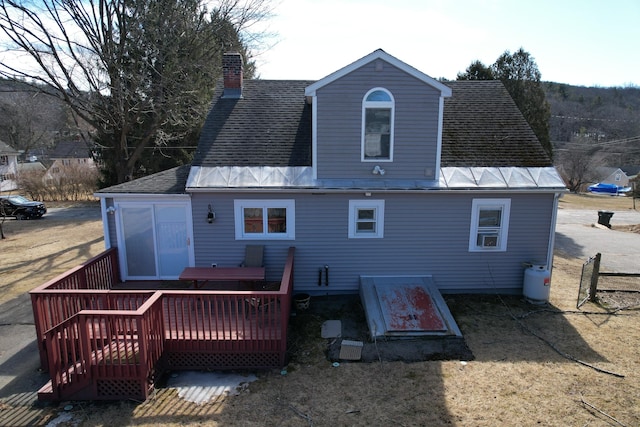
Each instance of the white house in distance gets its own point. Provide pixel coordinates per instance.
(68, 157)
(8, 167)
(376, 170)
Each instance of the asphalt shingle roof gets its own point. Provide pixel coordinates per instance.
(483, 127)
(269, 126)
(7, 149)
(171, 181)
(70, 149)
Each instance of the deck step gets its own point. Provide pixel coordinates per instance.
(46, 393)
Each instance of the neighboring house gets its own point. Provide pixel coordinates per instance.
(631, 171)
(374, 170)
(612, 175)
(69, 158)
(8, 167)
(31, 168)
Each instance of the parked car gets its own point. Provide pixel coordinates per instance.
(21, 208)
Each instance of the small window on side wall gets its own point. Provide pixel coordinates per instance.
(378, 111)
(489, 225)
(264, 219)
(366, 219)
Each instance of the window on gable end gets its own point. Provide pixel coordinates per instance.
(378, 111)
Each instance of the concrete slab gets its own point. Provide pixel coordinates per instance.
(331, 329)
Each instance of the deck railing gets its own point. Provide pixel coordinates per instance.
(110, 344)
(113, 353)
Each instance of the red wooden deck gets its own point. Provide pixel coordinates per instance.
(100, 343)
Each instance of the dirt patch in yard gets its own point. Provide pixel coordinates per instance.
(635, 228)
(547, 365)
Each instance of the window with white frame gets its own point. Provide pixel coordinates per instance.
(378, 110)
(366, 219)
(489, 225)
(264, 219)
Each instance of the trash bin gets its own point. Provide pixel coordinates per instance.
(604, 217)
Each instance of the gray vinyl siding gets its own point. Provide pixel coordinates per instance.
(424, 233)
(339, 125)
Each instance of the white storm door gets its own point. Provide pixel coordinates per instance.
(139, 242)
(172, 239)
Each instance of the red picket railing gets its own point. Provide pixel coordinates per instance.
(103, 344)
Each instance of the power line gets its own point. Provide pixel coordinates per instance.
(592, 119)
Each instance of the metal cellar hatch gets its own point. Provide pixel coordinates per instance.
(405, 306)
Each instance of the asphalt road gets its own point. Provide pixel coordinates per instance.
(75, 212)
(577, 236)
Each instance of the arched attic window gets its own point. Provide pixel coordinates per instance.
(378, 110)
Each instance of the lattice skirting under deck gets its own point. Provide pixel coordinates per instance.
(183, 360)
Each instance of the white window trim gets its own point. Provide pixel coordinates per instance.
(288, 204)
(379, 104)
(477, 205)
(378, 205)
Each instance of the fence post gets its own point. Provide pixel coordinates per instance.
(594, 277)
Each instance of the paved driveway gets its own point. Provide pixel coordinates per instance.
(577, 237)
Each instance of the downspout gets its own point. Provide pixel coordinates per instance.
(105, 223)
(552, 233)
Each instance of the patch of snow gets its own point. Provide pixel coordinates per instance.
(201, 387)
(64, 418)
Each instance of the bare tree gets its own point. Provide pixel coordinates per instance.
(139, 72)
(577, 161)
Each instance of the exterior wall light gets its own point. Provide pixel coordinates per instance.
(377, 170)
(211, 215)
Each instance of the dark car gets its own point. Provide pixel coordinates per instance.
(21, 207)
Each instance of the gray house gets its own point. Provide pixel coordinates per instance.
(375, 170)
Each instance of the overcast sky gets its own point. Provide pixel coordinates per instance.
(578, 42)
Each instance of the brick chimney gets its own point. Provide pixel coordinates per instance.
(232, 70)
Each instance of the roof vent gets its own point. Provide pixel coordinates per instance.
(232, 73)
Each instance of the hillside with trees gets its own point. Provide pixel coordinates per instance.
(591, 127)
(140, 73)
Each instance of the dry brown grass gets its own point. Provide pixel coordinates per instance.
(35, 251)
(597, 201)
(522, 374)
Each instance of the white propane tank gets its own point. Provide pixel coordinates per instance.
(537, 283)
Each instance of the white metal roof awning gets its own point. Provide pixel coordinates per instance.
(451, 178)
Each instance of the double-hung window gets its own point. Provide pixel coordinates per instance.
(366, 219)
(264, 219)
(378, 110)
(489, 225)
